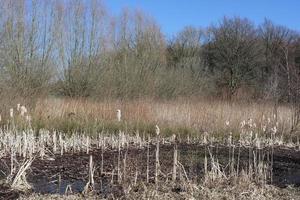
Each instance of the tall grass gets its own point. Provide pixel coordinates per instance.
(184, 117)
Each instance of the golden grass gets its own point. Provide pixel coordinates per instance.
(204, 115)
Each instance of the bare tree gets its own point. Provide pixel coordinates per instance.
(233, 53)
(185, 49)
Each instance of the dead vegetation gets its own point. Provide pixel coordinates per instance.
(134, 163)
(181, 117)
(241, 192)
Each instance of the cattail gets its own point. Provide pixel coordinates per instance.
(119, 115)
(102, 146)
(258, 143)
(243, 123)
(205, 164)
(157, 130)
(87, 145)
(173, 137)
(264, 128)
(148, 151)
(250, 122)
(157, 165)
(274, 130)
(23, 110)
(205, 141)
(91, 171)
(119, 158)
(136, 176)
(54, 142)
(175, 160)
(227, 123)
(28, 118)
(11, 113)
(230, 139)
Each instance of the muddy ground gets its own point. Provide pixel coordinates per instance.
(53, 174)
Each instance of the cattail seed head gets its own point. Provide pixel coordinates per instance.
(174, 137)
(264, 128)
(230, 138)
(23, 110)
(243, 123)
(119, 115)
(11, 113)
(227, 123)
(205, 141)
(28, 118)
(274, 129)
(157, 130)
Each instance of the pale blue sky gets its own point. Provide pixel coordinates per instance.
(172, 16)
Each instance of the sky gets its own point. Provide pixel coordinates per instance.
(174, 15)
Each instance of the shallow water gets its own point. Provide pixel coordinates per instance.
(53, 176)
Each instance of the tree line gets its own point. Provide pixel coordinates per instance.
(78, 49)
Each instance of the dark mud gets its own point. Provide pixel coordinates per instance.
(56, 174)
(7, 193)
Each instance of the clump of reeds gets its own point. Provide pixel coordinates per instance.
(157, 165)
(19, 181)
(175, 161)
(90, 184)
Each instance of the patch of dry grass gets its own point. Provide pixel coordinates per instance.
(248, 191)
(178, 115)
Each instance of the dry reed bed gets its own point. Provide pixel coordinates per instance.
(28, 144)
(210, 116)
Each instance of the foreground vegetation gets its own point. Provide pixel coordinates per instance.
(108, 156)
(235, 180)
(239, 191)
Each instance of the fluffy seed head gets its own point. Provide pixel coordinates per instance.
(119, 115)
(11, 112)
(23, 110)
(28, 118)
(157, 130)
